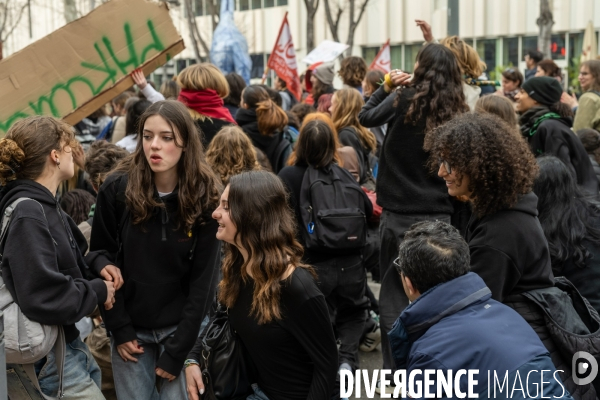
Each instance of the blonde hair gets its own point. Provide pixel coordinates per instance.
(202, 77)
(349, 104)
(231, 152)
(468, 60)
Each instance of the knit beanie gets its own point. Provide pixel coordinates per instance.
(324, 73)
(543, 89)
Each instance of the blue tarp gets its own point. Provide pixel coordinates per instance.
(229, 50)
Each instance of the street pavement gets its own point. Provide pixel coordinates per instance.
(372, 360)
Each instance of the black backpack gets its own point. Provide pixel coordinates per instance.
(282, 153)
(332, 207)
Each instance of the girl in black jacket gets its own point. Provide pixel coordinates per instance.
(273, 301)
(263, 121)
(153, 221)
(342, 276)
(42, 260)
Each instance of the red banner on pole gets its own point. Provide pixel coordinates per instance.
(383, 60)
(283, 60)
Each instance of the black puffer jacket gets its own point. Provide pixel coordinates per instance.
(566, 323)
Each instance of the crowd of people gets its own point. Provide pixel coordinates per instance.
(475, 207)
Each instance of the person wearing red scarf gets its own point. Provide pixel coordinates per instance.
(203, 88)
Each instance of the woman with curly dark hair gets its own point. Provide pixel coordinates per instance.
(353, 70)
(481, 161)
(406, 190)
(572, 227)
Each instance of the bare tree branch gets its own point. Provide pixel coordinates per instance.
(333, 25)
(214, 13)
(354, 23)
(311, 11)
(545, 22)
(7, 29)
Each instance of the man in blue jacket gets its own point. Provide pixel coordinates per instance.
(452, 324)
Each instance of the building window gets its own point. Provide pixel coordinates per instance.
(369, 54)
(410, 57)
(529, 43)
(256, 4)
(510, 50)
(468, 41)
(557, 46)
(258, 65)
(282, 2)
(487, 52)
(269, 3)
(244, 5)
(198, 8)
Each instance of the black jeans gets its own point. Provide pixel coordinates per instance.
(392, 299)
(342, 281)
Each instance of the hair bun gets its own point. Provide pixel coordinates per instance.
(11, 157)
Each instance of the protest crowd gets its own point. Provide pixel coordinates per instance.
(209, 239)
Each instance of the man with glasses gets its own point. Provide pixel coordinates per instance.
(453, 324)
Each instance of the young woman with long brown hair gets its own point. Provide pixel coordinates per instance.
(264, 121)
(345, 106)
(153, 222)
(274, 303)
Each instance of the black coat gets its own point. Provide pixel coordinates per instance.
(209, 127)
(42, 263)
(554, 137)
(509, 249)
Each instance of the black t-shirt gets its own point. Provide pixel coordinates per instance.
(295, 357)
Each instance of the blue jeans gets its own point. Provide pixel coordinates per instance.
(138, 380)
(258, 394)
(81, 378)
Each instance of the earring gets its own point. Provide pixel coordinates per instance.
(57, 164)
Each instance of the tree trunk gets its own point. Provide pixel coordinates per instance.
(70, 10)
(194, 33)
(311, 11)
(354, 23)
(545, 23)
(1, 49)
(333, 24)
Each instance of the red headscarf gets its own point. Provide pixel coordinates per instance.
(206, 102)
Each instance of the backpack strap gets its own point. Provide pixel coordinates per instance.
(60, 352)
(60, 344)
(281, 154)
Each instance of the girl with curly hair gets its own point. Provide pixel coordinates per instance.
(231, 152)
(406, 190)
(480, 160)
(345, 106)
(153, 221)
(352, 71)
(275, 305)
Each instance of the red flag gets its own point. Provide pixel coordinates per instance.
(382, 61)
(283, 60)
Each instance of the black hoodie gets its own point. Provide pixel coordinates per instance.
(247, 120)
(41, 264)
(509, 249)
(163, 287)
(554, 137)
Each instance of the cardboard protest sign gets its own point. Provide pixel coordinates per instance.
(326, 51)
(75, 70)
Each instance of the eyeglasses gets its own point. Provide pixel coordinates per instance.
(396, 263)
(446, 164)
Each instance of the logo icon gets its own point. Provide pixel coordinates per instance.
(580, 368)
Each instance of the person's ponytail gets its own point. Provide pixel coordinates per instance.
(270, 117)
(11, 158)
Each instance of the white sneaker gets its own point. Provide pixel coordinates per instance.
(371, 340)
